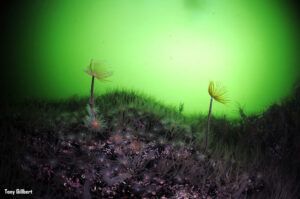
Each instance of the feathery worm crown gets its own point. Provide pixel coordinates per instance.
(217, 92)
(98, 70)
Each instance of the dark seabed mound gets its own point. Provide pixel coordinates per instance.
(147, 150)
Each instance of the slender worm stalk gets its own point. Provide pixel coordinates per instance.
(92, 101)
(218, 93)
(95, 70)
(208, 123)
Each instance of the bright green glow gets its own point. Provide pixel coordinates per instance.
(167, 49)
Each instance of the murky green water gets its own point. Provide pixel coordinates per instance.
(167, 49)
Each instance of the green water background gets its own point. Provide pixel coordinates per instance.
(166, 49)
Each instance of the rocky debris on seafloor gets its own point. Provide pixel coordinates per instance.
(125, 165)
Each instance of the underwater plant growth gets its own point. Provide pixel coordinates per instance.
(149, 150)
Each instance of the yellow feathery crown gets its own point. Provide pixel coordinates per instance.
(217, 92)
(97, 70)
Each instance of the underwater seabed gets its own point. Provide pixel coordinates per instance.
(144, 149)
